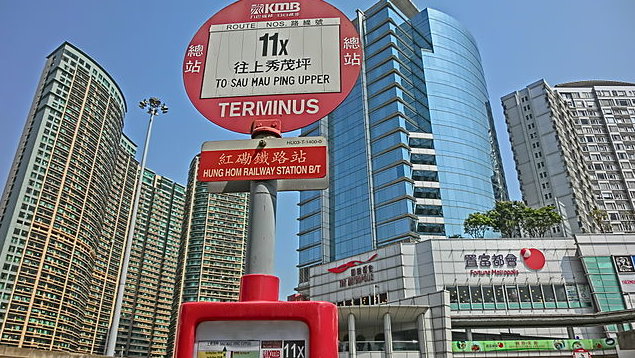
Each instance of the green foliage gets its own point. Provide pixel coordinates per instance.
(507, 217)
(539, 221)
(477, 224)
(512, 219)
(601, 219)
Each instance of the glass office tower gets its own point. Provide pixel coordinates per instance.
(413, 148)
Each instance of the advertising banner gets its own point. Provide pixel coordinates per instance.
(624, 264)
(252, 349)
(534, 345)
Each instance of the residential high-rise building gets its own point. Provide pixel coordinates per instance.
(53, 206)
(212, 253)
(147, 305)
(65, 216)
(412, 149)
(575, 149)
(105, 276)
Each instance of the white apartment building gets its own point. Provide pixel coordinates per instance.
(574, 148)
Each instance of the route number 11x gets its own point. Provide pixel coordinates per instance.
(275, 42)
(294, 349)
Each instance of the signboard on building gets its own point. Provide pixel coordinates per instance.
(571, 345)
(503, 264)
(486, 264)
(361, 272)
(625, 267)
(581, 353)
(294, 61)
(627, 282)
(624, 264)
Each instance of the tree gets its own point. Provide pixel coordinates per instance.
(601, 218)
(507, 217)
(538, 221)
(512, 219)
(477, 224)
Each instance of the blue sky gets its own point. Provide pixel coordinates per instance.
(142, 44)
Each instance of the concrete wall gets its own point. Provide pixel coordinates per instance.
(626, 341)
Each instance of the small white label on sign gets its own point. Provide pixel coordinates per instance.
(273, 58)
(252, 339)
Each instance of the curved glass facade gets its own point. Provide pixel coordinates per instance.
(464, 137)
(412, 149)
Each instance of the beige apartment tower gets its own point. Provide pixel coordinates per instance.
(105, 277)
(150, 285)
(53, 206)
(65, 214)
(212, 254)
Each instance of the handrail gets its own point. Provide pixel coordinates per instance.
(544, 320)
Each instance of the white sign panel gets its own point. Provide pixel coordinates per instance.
(627, 282)
(273, 58)
(252, 339)
(581, 354)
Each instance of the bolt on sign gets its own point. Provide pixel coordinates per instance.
(293, 61)
(284, 159)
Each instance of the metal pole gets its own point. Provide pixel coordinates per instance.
(262, 224)
(116, 316)
(352, 340)
(388, 349)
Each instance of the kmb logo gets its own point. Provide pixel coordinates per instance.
(275, 8)
(346, 266)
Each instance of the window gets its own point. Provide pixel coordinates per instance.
(512, 294)
(454, 297)
(548, 294)
(536, 293)
(488, 294)
(476, 294)
(464, 294)
(499, 292)
(523, 292)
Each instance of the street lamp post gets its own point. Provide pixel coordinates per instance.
(154, 107)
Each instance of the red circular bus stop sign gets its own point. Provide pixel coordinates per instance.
(291, 61)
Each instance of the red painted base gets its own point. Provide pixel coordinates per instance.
(259, 294)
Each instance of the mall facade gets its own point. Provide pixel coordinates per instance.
(482, 297)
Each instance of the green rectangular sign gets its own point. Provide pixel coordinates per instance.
(534, 345)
